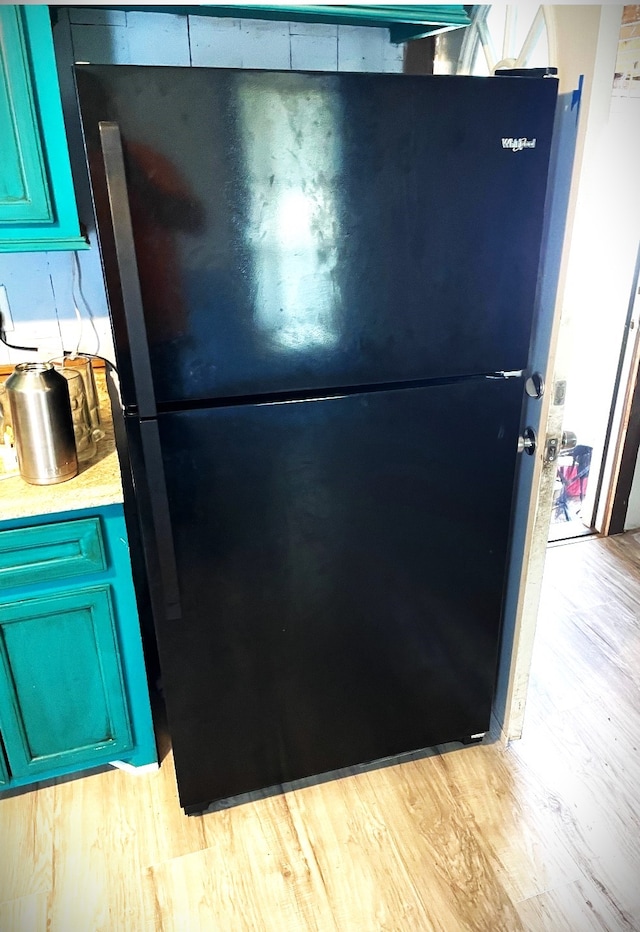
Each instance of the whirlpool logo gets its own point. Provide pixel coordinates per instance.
(517, 145)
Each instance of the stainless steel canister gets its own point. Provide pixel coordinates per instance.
(42, 423)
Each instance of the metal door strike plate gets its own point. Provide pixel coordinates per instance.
(551, 450)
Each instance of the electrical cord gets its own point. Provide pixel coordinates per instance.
(77, 295)
(72, 354)
(76, 292)
(25, 349)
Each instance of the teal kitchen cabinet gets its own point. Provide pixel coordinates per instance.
(73, 687)
(61, 689)
(37, 202)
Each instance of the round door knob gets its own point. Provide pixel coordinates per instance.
(534, 386)
(527, 442)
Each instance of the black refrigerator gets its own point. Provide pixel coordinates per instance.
(322, 290)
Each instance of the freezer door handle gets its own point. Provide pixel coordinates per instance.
(116, 180)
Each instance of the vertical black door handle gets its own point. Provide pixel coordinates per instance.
(154, 477)
(116, 180)
(163, 532)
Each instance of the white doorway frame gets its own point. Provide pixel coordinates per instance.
(586, 39)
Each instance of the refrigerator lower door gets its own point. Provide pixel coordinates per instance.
(341, 566)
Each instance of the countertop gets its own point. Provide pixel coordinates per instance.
(97, 483)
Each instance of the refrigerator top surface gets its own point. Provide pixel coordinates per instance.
(300, 231)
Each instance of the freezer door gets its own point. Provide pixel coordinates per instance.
(297, 231)
(341, 566)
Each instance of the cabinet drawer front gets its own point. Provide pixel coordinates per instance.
(62, 694)
(51, 551)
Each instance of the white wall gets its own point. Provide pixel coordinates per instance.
(605, 246)
(40, 286)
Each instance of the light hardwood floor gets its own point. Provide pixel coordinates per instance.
(543, 835)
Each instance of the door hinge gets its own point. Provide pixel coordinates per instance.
(507, 374)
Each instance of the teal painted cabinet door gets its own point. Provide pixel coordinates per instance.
(37, 202)
(62, 693)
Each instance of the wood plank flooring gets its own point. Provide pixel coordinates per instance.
(542, 835)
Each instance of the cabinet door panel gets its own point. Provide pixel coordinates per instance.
(24, 189)
(37, 201)
(62, 695)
